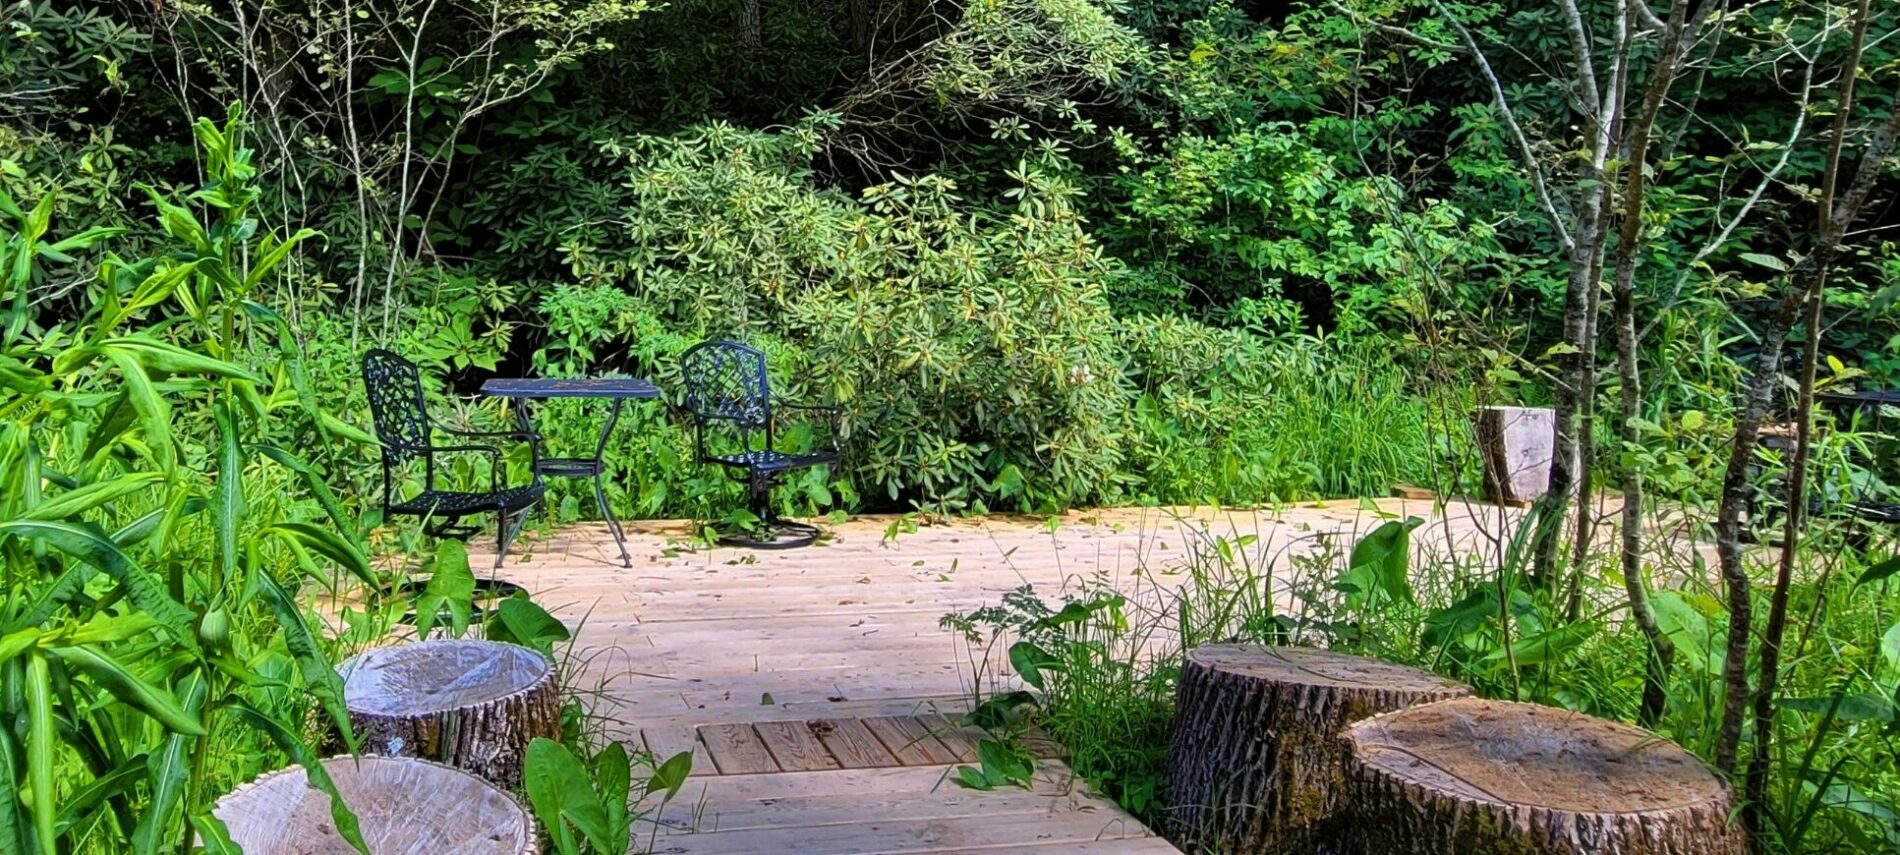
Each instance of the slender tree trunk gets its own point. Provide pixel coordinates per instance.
(751, 25)
(1728, 528)
(1636, 147)
(1755, 792)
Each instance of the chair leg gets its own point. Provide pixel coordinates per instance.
(505, 534)
(773, 533)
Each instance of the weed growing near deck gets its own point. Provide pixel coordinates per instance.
(1100, 667)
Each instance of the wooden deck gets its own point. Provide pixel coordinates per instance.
(818, 692)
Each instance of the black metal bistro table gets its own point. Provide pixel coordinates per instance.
(617, 391)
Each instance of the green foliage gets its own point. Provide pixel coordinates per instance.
(142, 609)
(585, 807)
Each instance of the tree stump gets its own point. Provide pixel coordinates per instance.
(474, 705)
(1517, 446)
(402, 805)
(1473, 775)
(1255, 765)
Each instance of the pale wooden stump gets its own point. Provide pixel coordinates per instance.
(1473, 775)
(402, 806)
(1517, 445)
(474, 705)
(1255, 765)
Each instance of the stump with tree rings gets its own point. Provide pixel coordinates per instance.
(401, 805)
(1473, 775)
(1255, 765)
(474, 705)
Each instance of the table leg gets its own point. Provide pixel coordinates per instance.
(600, 472)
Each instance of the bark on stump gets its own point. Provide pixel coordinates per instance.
(401, 804)
(1255, 765)
(474, 705)
(1473, 775)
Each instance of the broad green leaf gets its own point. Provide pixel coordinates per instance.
(671, 775)
(519, 620)
(313, 480)
(74, 503)
(330, 545)
(1879, 572)
(167, 358)
(112, 676)
(613, 773)
(16, 823)
(213, 836)
(92, 546)
(451, 588)
(41, 732)
(1030, 660)
(289, 742)
(1383, 558)
(1547, 646)
(274, 256)
(154, 413)
(562, 794)
(1862, 707)
(230, 502)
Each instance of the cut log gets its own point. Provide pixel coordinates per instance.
(1516, 444)
(401, 805)
(1473, 775)
(474, 705)
(1255, 765)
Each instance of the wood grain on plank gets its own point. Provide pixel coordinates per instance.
(736, 749)
(795, 747)
(853, 744)
(910, 741)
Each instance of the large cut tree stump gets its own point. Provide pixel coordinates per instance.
(402, 805)
(1256, 764)
(1473, 775)
(474, 705)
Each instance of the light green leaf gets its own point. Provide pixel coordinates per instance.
(128, 689)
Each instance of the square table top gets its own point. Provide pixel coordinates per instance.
(578, 387)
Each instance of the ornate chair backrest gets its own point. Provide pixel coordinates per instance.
(397, 406)
(725, 381)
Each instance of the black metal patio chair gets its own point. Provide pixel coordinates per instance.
(726, 388)
(407, 434)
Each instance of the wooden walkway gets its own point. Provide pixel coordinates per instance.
(818, 692)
